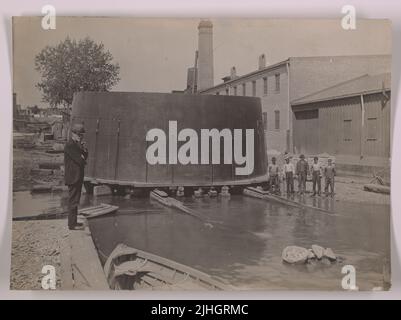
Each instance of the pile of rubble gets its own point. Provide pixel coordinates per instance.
(299, 255)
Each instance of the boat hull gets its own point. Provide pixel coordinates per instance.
(131, 269)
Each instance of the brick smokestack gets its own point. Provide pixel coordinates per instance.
(262, 62)
(205, 62)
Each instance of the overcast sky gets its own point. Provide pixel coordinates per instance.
(154, 54)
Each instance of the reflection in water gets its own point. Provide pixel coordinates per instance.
(27, 204)
(241, 239)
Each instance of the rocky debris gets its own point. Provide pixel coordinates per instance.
(317, 254)
(311, 255)
(311, 265)
(295, 255)
(340, 260)
(329, 254)
(318, 251)
(326, 261)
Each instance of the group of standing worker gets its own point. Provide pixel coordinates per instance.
(301, 172)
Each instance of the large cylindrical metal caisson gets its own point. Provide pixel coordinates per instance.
(117, 124)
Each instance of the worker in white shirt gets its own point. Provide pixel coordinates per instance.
(316, 172)
(289, 172)
(329, 174)
(273, 177)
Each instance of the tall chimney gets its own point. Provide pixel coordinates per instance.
(262, 61)
(233, 73)
(205, 59)
(191, 79)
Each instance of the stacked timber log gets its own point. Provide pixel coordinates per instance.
(378, 184)
(377, 188)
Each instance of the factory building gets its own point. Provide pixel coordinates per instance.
(282, 84)
(350, 120)
(279, 84)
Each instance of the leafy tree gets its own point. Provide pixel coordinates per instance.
(73, 66)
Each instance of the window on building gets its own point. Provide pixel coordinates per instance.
(254, 88)
(227, 91)
(265, 121)
(235, 90)
(217, 93)
(277, 119)
(347, 129)
(265, 85)
(244, 89)
(277, 77)
(372, 129)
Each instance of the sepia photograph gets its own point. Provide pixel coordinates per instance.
(201, 154)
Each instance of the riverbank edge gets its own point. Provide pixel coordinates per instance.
(73, 255)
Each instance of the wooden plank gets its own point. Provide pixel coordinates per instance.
(96, 211)
(66, 266)
(163, 200)
(253, 192)
(256, 193)
(91, 209)
(86, 268)
(160, 193)
(87, 209)
(253, 180)
(174, 203)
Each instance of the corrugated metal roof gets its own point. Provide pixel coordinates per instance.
(356, 86)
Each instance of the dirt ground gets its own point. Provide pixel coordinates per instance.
(35, 244)
(350, 189)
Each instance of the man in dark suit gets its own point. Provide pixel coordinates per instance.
(75, 155)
